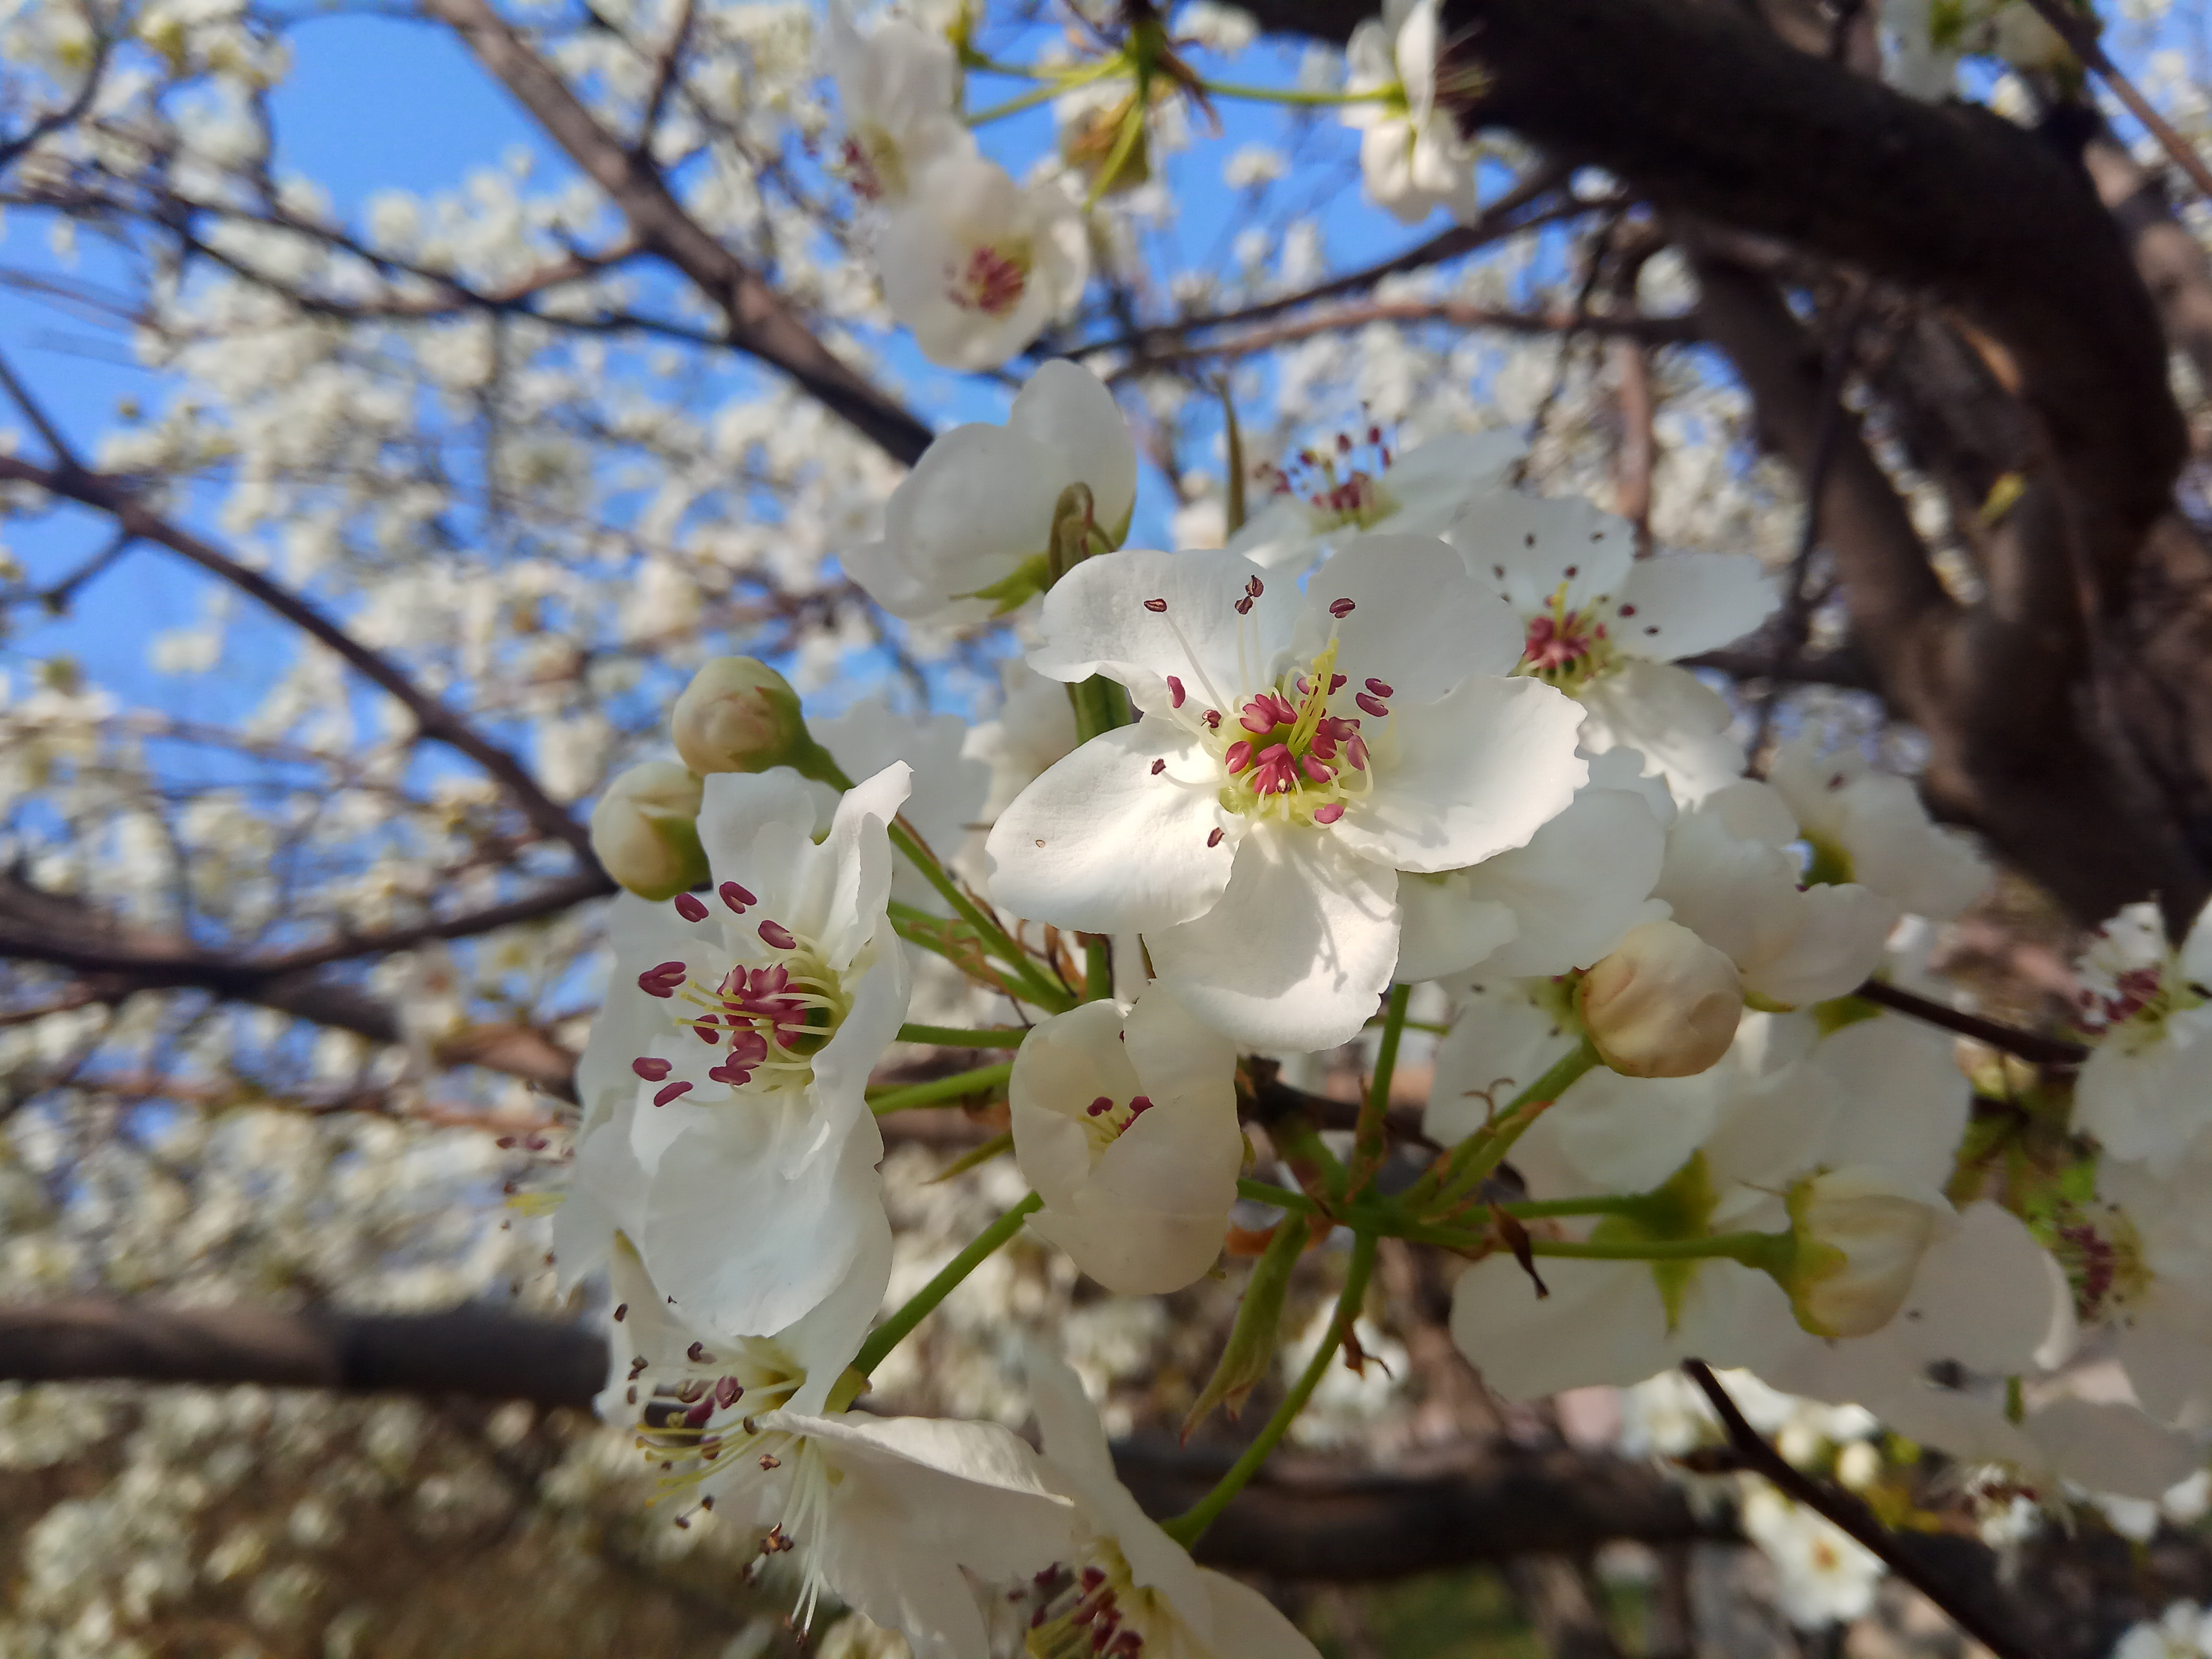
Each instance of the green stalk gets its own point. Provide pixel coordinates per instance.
(919, 1306)
(1082, 77)
(1097, 968)
(1367, 1144)
(1034, 987)
(1281, 1197)
(950, 1037)
(1473, 1158)
(1125, 146)
(1753, 1249)
(1531, 1209)
(1188, 1527)
(941, 1089)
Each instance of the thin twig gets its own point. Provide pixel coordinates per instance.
(1986, 1624)
(2007, 1039)
(2076, 32)
(664, 78)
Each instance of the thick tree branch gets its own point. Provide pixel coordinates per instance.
(759, 320)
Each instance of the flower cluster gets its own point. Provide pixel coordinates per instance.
(1280, 791)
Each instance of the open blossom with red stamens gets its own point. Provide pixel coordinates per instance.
(2143, 1093)
(1369, 729)
(726, 1130)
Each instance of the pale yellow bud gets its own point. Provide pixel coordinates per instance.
(1664, 1003)
(736, 715)
(646, 832)
(1858, 1235)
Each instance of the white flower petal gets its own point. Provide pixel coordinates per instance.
(1417, 622)
(1685, 603)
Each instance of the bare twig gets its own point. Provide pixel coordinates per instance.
(2080, 34)
(2006, 1039)
(1977, 1606)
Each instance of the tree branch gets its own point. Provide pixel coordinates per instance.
(758, 318)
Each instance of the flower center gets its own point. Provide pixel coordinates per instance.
(1090, 1608)
(994, 278)
(1105, 1119)
(1293, 751)
(695, 1417)
(2103, 1259)
(767, 1018)
(871, 162)
(1340, 485)
(1568, 648)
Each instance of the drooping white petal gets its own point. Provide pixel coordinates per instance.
(1681, 604)
(1909, 1102)
(1070, 412)
(1469, 775)
(1298, 949)
(1101, 843)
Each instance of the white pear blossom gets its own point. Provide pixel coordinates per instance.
(948, 784)
(974, 517)
(1125, 1122)
(885, 1515)
(899, 86)
(1869, 826)
(1128, 1590)
(1663, 1003)
(1731, 875)
(978, 266)
(1358, 482)
(1560, 902)
(725, 1128)
(1253, 823)
(1823, 1576)
(2141, 1262)
(2147, 1090)
(1412, 157)
(1859, 1233)
(1603, 625)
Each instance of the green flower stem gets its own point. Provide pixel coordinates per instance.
(1125, 146)
(950, 1036)
(919, 1306)
(1034, 986)
(1281, 1197)
(1045, 93)
(1097, 968)
(941, 1089)
(1472, 1161)
(1295, 1137)
(1375, 1112)
(1531, 1209)
(1310, 99)
(1187, 1528)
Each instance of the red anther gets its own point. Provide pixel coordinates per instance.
(688, 907)
(735, 896)
(728, 1391)
(778, 936)
(1244, 605)
(1344, 443)
(1258, 718)
(1214, 839)
(652, 1071)
(1138, 1105)
(535, 1144)
(1276, 772)
(622, 1311)
(696, 1353)
(1330, 813)
(770, 1461)
(1254, 586)
(1380, 690)
(1313, 769)
(1336, 683)
(1373, 435)
(504, 1143)
(1159, 767)
(1374, 706)
(1175, 692)
(705, 1031)
(734, 1071)
(1628, 611)
(1213, 720)
(697, 1416)
(662, 980)
(1093, 1577)
(1309, 458)
(671, 1092)
(1356, 752)
(1573, 570)
(1156, 606)
(1237, 757)
(1386, 460)
(1099, 1107)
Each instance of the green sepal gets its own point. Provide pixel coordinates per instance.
(1250, 1352)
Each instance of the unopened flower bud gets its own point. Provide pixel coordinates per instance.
(736, 715)
(1857, 1237)
(646, 832)
(1664, 1003)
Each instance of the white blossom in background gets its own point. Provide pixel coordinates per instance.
(1357, 483)
(975, 265)
(1412, 158)
(1253, 824)
(725, 1128)
(950, 784)
(1606, 627)
(967, 532)
(1870, 827)
(1823, 1575)
(899, 89)
(2143, 1091)
(1125, 1122)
